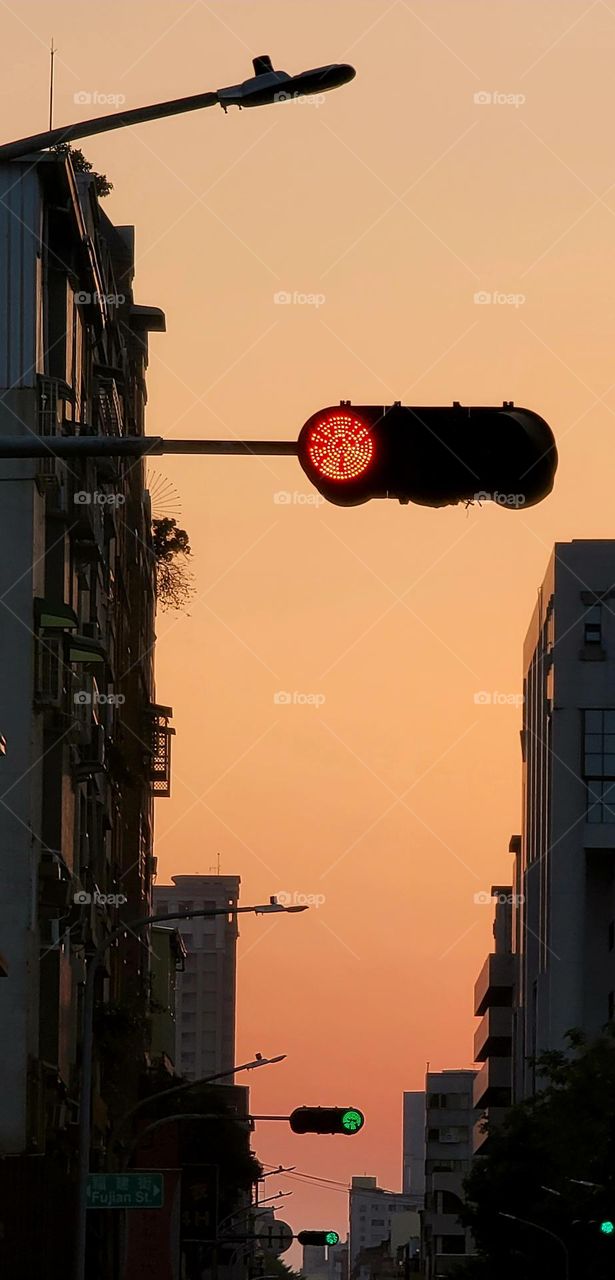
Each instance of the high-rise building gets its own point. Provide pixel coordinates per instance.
(564, 917)
(493, 1000)
(206, 990)
(88, 745)
(448, 1152)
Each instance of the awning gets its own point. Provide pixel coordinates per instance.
(54, 613)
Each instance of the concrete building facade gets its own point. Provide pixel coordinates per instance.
(449, 1118)
(87, 745)
(413, 1146)
(206, 990)
(372, 1213)
(564, 917)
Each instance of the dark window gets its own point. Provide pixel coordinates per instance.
(453, 1244)
(599, 744)
(593, 624)
(600, 801)
(433, 1135)
(436, 1100)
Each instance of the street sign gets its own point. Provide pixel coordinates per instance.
(125, 1190)
(274, 1237)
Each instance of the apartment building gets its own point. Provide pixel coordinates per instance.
(206, 990)
(449, 1119)
(564, 914)
(373, 1211)
(89, 745)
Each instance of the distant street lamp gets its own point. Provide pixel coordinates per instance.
(264, 87)
(85, 1102)
(546, 1232)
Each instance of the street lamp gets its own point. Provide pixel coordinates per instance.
(546, 1232)
(259, 1061)
(264, 87)
(85, 1105)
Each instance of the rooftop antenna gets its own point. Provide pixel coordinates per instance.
(52, 54)
(216, 869)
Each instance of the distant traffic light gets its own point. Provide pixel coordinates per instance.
(326, 1120)
(433, 456)
(607, 1227)
(318, 1237)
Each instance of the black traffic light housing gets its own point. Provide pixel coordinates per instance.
(318, 1237)
(434, 456)
(326, 1120)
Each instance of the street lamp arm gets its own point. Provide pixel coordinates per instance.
(104, 124)
(190, 1084)
(526, 1223)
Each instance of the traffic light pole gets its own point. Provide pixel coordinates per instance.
(94, 446)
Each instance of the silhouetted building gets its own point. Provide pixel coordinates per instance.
(449, 1117)
(493, 1000)
(88, 743)
(413, 1140)
(372, 1210)
(206, 989)
(564, 918)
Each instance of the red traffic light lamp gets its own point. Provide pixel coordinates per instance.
(435, 456)
(326, 1120)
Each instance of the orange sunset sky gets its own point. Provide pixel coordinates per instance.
(396, 200)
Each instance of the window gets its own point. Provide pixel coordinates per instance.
(436, 1100)
(452, 1244)
(454, 1133)
(599, 765)
(377, 1222)
(433, 1135)
(593, 624)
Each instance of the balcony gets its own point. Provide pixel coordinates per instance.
(494, 985)
(493, 1083)
(160, 764)
(493, 1036)
(489, 1120)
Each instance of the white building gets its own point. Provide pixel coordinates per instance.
(206, 991)
(372, 1212)
(564, 926)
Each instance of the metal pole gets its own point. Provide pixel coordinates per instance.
(103, 124)
(31, 446)
(546, 1232)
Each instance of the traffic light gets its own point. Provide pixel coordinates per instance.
(326, 1120)
(607, 1227)
(433, 456)
(318, 1237)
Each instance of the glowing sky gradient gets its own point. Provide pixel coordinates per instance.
(395, 201)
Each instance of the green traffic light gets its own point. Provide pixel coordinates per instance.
(352, 1121)
(607, 1227)
(332, 1237)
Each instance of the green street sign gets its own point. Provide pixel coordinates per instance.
(125, 1190)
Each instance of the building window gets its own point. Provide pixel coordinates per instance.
(436, 1100)
(593, 625)
(433, 1135)
(599, 765)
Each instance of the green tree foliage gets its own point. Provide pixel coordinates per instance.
(172, 549)
(81, 165)
(565, 1133)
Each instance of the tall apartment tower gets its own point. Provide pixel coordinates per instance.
(206, 990)
(85, 740)
(449, 1119)
(564, 920)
